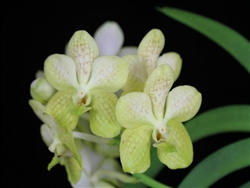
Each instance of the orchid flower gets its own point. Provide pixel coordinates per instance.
(60, 142)
(93, 80)
(157, 113)
(147, 59)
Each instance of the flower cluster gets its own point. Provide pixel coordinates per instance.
(99, 94)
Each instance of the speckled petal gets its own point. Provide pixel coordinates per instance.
(102, 114)
(151, 47)
(60, 71)
(83, 49)
(157, 87)
(135, 149)
(109, 73)
(174, 60)
(181, 155)
(183, 103)
(134, 109)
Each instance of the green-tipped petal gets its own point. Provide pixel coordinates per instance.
(41, 90)
(174, 60)
(137, 73)
(109, 73)
(157, 87)
(83, 49)
(60, 71)
(183, 103)
(134, 109)
(102, 114)
(38, 108)
(63, 137)
(62, 108)
(151, 47)
(109, 38)
(74, 170)
(135, 149)
(181, 142)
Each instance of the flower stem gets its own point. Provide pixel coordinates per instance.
(149, 181)
(90, 138)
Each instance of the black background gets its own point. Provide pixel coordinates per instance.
(31, 31)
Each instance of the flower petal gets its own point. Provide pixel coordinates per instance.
(41, 90)
(38, 108)
(134, 109)
(128, 50)
(73, 169)
(135, 149)
(61, 107)
(174, 60)
(178, 137)
(64, 137)
(109, 73)
(46, 135)
(151, 47)
(183, 103)
(60, 71)
(102, 114)
(137, 73)
(83, 49)
(157, 87)
(109, 38)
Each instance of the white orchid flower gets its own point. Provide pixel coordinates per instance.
(93, 79)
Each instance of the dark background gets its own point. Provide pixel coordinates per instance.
(31, 31)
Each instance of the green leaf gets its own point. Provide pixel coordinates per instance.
(230, 40)
(245, 185)
(231, 118)
(220, 163)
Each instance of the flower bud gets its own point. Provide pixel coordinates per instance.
(41, 90)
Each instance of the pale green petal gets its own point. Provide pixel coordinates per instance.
(128, 50)
(109, 38)
(137, 73)
(109, 73)
(180, 140)
(135, 149)
(134, 109)
(83, 49)
(41, 90)
(174, 60)
(63, 137)
(150, 48)
(157, 87)
(73, 169)
(183, 103)
(63, 109)
(102, 114)
(46, 134)
(38, 108)
(60, 71)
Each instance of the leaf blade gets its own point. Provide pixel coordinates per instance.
(228, 159)
(227, 38)
(223, 119)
